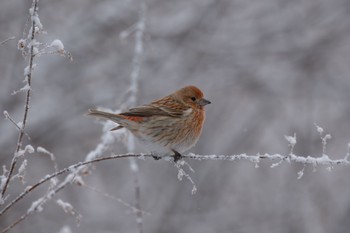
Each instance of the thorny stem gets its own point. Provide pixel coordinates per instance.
(26, 107)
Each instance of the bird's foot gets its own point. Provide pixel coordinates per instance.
(156, 157)
(177, 156)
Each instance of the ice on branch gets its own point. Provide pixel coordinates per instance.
(324, 139)
(23, 89)
(35, 18)
(21, 171)
(301, 173)
(44, 151)
(68, 209)
(28, 149)
(27, 70)
(58, 46)
(292, 140)
(36, 206)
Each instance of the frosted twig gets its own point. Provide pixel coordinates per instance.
(323, 138)
(306, 160)
(69, 209)
(42, 150)
(37, 206)
(10, 38)
(27, 99)
(134, 77)
(114, 198)
(182, 172)
(17, 125)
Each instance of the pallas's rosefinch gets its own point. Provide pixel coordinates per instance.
(170, 125)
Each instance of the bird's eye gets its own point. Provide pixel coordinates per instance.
(193, 98)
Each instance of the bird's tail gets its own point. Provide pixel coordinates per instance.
(110, 116)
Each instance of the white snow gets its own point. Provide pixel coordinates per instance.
(36, 19)
(301, 173)
(6, 114)
(58, 45)
(25, 88)
(36, 206)
(319, 129)
(67, 207)
(28, 149)
(44, 151)
(292, 140)
(22, 168)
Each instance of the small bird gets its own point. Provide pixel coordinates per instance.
(167, 126)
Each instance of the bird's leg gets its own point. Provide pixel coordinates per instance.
(177, 155)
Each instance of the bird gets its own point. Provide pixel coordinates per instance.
(168, 126)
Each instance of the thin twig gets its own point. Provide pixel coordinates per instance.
(135, 76)
(8, 117)
(27, 102)
(134, 208)
(10, 38)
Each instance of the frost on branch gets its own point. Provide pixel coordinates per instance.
(58, 45)
(28, 149)
(42, 150)
(68, 209)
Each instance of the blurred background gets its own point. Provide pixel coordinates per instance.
(270, 67)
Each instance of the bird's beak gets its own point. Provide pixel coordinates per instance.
(203, 102)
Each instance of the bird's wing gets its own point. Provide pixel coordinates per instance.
(153, 110)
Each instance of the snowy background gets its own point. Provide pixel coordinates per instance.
(270, 67)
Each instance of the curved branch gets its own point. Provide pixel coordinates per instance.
(324, 160)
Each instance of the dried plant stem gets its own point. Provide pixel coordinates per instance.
(26, 106)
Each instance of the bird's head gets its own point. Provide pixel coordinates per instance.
(191, 96)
